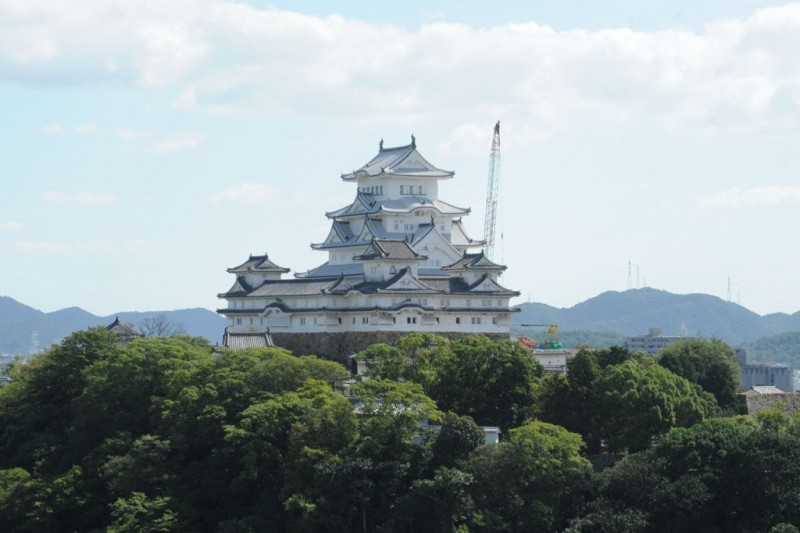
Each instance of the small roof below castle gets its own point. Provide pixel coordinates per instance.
(758, 390)
(124, 331)
(477, 261)
(240, 341)
(399, 161)
(389, 250)
(257, 263)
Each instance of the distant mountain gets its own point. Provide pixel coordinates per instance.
(13, 311)
(783, 348)
(635, 311)
(600, 321)
(24, 330)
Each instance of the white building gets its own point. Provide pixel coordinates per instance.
(398, 261)
(653, 343)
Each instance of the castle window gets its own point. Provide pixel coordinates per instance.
(365, 320)
(402, 189)
(458, 320)
(303, 321)
(239, 321)
(494, 320)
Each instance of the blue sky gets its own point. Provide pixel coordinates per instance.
(146, 147)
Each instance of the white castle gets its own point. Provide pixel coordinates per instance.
(398, 261)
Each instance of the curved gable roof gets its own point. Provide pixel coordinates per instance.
(399, 161)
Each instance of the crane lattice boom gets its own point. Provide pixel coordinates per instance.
(492, 192)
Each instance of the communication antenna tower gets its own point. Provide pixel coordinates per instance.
(492, 192)
(35, 341)
(729, 288)
(630, 278)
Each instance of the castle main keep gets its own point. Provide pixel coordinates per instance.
(398, 261)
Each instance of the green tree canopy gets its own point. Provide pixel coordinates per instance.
(708, 362)
(493, 382)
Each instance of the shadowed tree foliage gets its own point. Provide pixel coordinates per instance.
(161, 434)
(624, 404)
(533, 482)
(709, 363)
(493, 382)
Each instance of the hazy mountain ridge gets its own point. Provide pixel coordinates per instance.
(18, 322)
(607, 317)
(635, 311)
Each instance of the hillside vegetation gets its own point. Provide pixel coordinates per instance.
(162, 434)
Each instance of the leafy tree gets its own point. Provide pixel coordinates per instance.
(721, 475)
(138, 513)
(37, 407)
(442, 503)
(385, 362)
(709, 363)
(458, 437)
(532, 482)
(491, 381)
(643, 400)
(574, 401)
(621, 398)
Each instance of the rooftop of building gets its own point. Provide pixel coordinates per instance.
(399, 161)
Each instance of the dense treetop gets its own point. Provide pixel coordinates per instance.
(161, 434)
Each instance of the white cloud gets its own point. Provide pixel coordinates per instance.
(88, 127)
(244, 194)
(232, 58)
(182, 140)
(755, 197)
(11, 225)
(54, 127)
(78, 198)
(130, 134)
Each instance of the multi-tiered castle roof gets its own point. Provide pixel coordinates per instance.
(398, 260)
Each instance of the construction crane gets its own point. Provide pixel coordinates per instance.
(492, 191)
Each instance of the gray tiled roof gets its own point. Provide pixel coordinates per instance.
(291, 287)
(240, 341)
(239, 288)
(343, 230)
(459, 237)
(392, 250)
(404, 204)
(258, 263)
(477, 261)
(329, 271)
(398, 161)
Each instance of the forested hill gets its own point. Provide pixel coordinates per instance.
(635, 311)
(19, 324)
